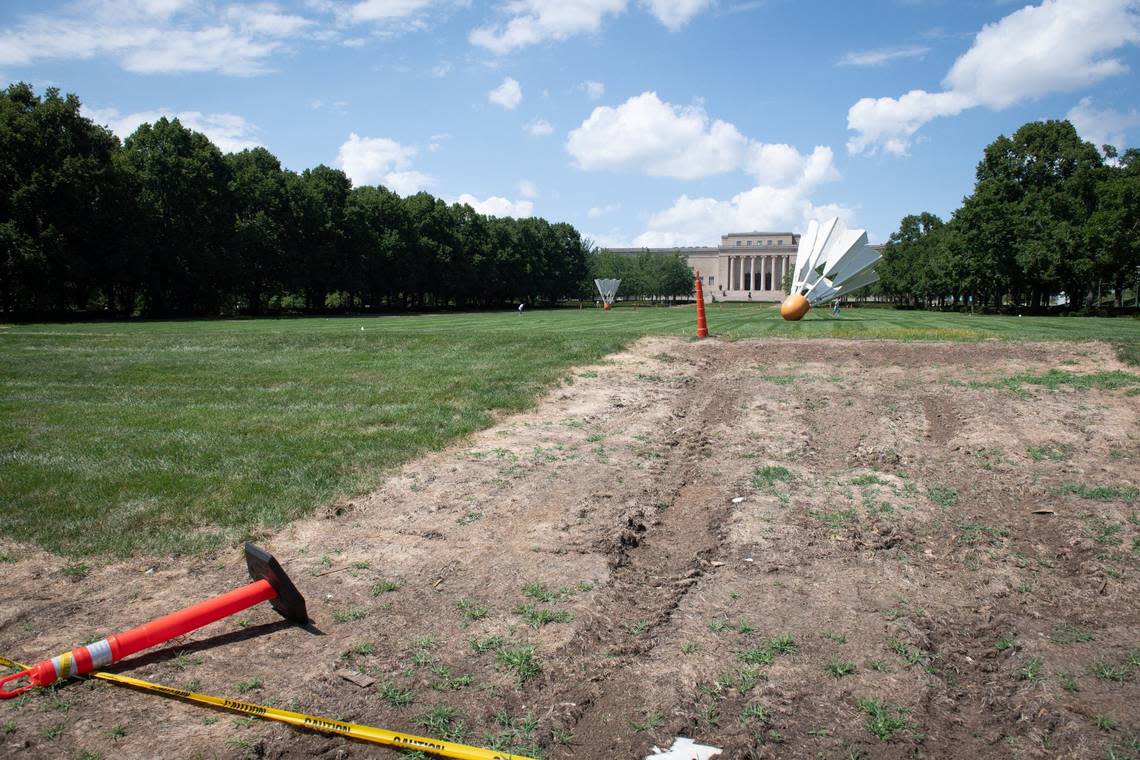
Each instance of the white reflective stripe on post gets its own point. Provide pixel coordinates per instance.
(100, 653)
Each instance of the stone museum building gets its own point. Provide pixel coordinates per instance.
(746, 266)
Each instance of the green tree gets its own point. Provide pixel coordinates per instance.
(261, 225)
(185, 217)
(59, 194)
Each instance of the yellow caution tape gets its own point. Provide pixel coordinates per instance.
(311, 722)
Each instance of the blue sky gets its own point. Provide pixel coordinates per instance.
(641, 122)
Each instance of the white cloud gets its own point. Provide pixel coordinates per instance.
(648, 135)
(890, 122)
(406, 183)
(528, 189)
(594, 90)
(508, 94)
(155, 36)
(600, 211)
(441, 69)
(882, 55)
(701, 221)
(675, 13)
(267, 19)
(1057, 46)
(384, 10)
(379, 160)
(497, 206)
(230, 132)
(1102, 126)
(538, 128)
(435, 142)
(533, 21)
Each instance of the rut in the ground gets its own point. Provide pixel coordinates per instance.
(659, 555)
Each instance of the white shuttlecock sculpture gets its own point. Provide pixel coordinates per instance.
(831, 261)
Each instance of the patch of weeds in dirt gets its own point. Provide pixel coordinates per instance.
(393, 694)
(1111, 671)
(911, 655)
(54, 731)
(989, 458)
(945, 497)
(885, 720)
(76, 571)
(647, 721)
(836, 520)
(780, 379)
(8, 727)
(423, 650)
(472, 609)
(445, 680)
(755, 712)
(757, 656)
(386, 586)
(468, 517)
(838, 667)
(709, 714)
(349, 615)
(536, 617)
(784, 644)
(1067, 633)
(690, 647)
(521, 660)
(1031, 670)
(838, 638)
(1068, 681)
(251, 685)
(1106, 722)
(1054, 452)
(1127, 494)
(869, 480)
(636, 628)
(716, 625)
(443, 722)
(973, 532)
(765, 480)
(488, 644)
(516, 736)
(879, 666)
(1006, 643)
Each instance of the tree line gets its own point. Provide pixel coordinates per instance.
(164, 223)
(648, 276)
(1050, 216)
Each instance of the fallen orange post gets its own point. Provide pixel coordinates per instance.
(270, 583)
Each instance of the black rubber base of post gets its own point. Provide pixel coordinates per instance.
(289, 603)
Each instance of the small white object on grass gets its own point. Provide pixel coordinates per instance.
(684, 749)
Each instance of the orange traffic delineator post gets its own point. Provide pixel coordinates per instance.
(270, 583)
(702, 325)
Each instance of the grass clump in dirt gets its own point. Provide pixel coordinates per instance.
(472, 609)
(445, 680)
(1067, 633)
(394, 695)
(536, 617)
(838, 667)
(943, 496)
(885, 720)
(516, 736)
(1055, 452)
(385, 586)
(443, 723)
(349, 615)
(1127, 494)
(648, 721)
(764, 479)
(487, 644)
(520, 660)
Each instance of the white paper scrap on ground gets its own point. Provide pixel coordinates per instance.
(684, 749)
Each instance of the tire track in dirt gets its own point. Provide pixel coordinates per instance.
(657, 558)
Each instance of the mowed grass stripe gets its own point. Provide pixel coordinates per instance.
(160, 437)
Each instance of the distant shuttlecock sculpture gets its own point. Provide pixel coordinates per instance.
(831, 261)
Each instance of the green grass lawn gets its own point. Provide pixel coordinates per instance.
(122, 438)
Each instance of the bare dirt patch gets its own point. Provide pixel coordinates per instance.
(781, 548)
